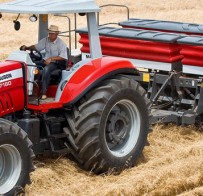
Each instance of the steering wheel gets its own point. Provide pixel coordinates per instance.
(35, 55)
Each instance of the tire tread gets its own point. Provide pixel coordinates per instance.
(88, 154)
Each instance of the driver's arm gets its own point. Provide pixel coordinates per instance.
(54, 58)
(39, 46)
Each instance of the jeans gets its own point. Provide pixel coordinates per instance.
(48, 69)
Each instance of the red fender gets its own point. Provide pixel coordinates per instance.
(91, 73)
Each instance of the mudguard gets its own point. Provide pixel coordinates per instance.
(90, 74)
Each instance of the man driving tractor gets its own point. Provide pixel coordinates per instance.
(55, 55)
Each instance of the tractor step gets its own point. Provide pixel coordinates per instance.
(58, 136)
(52, 119)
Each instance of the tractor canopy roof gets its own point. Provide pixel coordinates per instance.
(49, 6)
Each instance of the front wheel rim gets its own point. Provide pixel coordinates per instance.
(122, 128)
(10, 167)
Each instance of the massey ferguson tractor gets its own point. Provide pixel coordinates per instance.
(96, 111)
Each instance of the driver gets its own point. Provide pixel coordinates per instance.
(55, 55)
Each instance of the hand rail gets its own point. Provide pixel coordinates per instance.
(114, 5)
(69, 32)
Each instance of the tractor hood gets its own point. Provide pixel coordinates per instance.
(49, 6)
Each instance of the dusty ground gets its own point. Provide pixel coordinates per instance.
(172, 164)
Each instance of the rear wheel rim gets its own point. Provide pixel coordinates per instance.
(122, 128)
(10, 167)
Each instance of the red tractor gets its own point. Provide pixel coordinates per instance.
(97, 112)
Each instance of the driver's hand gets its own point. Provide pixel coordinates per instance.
(23, 47)
(48, 61)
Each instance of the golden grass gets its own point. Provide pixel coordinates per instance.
(172, 164)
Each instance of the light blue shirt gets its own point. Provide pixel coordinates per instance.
(56, 48)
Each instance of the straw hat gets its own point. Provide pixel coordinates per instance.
(53, 29)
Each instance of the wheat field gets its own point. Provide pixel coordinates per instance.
(173, 162)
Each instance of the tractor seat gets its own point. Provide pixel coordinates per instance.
(56, 76)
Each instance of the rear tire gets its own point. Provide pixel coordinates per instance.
(109, 126)
(15, 158)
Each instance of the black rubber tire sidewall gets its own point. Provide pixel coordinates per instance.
(136, 98)
(21, 146)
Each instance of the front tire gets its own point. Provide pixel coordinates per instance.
(109, 126)
(15, 158)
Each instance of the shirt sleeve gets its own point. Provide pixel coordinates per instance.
(41, 44)
(63, 50)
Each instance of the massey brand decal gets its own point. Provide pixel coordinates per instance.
(6, 76)
(10, 75)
